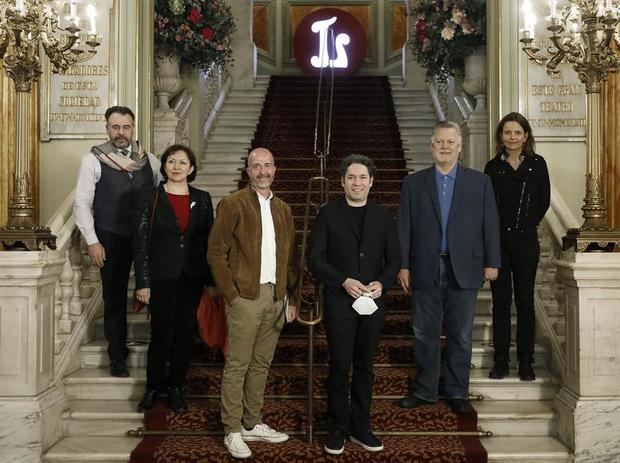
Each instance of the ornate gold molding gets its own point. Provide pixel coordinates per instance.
(7, 145)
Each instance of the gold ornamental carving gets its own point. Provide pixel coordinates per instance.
(26, 26)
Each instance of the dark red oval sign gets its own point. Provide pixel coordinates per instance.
(330, 38)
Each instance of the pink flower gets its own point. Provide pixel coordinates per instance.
(447, 33)
(457, 16)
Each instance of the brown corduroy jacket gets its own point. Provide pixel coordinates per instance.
(234, 251)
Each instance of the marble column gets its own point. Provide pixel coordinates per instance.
(588, 403)
(475, 138)
(243, 71)
(30, 404)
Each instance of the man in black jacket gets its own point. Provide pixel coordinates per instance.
(354, 252)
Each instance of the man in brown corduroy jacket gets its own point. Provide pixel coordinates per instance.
(253, 258)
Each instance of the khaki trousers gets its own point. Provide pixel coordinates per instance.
(254, 327)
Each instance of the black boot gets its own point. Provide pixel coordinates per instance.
(526, 372)
(176, 399)
(499, 370)
(148, 400)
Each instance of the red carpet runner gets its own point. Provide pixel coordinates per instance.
(364, 122)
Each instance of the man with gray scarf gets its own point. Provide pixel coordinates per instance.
(111, 177)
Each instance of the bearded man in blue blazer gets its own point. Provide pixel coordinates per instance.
(449, 242)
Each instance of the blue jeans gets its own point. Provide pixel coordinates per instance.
(445, 302)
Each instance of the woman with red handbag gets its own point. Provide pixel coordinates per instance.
(170, 248)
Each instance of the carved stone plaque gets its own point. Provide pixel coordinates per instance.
(555, 106)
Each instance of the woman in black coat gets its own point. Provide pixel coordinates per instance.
(522, 191)
(170, 254)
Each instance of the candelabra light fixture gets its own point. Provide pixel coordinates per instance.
(581, 34)
(26, 26)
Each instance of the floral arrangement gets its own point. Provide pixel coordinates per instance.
(446, 31)
(197, 31)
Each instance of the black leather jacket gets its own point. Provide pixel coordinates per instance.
(169, 254)
(522, 195)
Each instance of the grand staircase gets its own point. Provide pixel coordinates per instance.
(416, 118)
(230, 139)
(102, 408)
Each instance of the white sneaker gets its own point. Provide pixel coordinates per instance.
(235, 445)
(262, 432)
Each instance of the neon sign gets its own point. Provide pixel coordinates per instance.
(330, 38)
(323, 60)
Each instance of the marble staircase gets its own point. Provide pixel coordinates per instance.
(229, 140)
(416, 117)
(102, 408)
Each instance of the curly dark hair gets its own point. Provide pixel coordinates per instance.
(357, 159)
(122, 110)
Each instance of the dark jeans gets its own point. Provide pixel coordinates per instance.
(114, 280)
(430, 307)
(519, 261)
(173, 307)
(352, 339)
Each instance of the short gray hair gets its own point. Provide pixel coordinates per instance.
(448, 125)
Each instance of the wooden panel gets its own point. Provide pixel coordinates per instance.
(611, 148)
(260, 26)
(299, 12)
(399, 26)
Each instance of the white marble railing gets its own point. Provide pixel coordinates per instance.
(439, 97)
(216, 85)
(549, 296)
(78, 292)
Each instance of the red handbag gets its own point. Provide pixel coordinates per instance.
(212, 321)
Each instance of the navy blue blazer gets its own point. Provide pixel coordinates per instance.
(473, 228)
(337, 251)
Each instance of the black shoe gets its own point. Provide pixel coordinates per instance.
(458, 405)
(176, 399)
(119, 369)
(411, 401)
(335, 443)
(499, 370)
(367, 440)
(526, 372)
(148, 400)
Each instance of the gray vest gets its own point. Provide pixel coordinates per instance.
(116, 194)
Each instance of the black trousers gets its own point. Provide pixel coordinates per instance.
(352, 340)
(114, 280)
(173, 307)
(519, 263)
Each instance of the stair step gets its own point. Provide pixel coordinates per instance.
(91, 449)
(138, 328)
(96, 383)
(115, 417)
(229, 138)
(500, 449)
(94, 354)
(530, 449)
